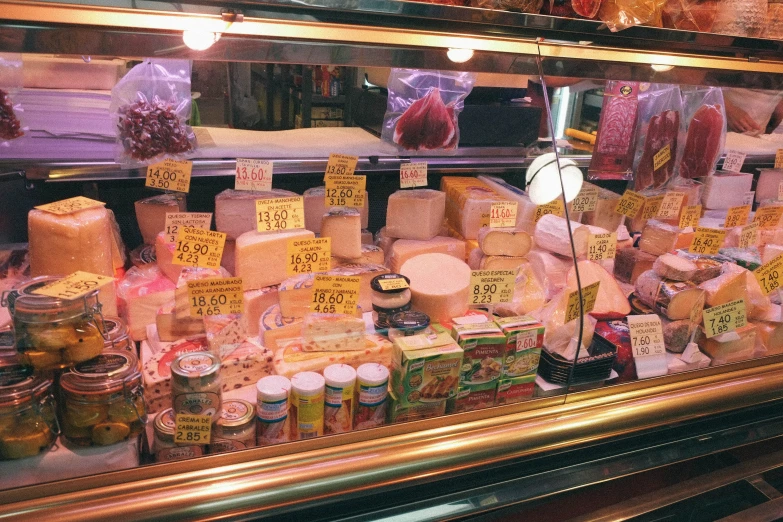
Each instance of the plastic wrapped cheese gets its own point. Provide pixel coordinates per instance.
(659, 238)
(529, 294)
(551, 271)
(737, 345)
(676, 268)
(551, 233)
(291, 359)
(724, 190)
(674, 299)
(225, 333)
(611, 302)
(151, 213)
(164, 257)
(561, 337)
(526, 209)
(468, 204)
(332, 333)
(169, 328)
(415, 214)
(504, 242)
(235, 210)
(141, 293)
(440, 285)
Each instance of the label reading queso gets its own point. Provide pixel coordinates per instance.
(198, 247)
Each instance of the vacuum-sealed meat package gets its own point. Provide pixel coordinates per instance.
(659, 133)
(152, 103)
(10, 84)
(705, 114)
(622, 14)
(690, 15)
(423, 107)
(614, 145)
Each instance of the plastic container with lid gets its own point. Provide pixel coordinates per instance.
(390, 294)
(103, 400)
(236, 427)
(163, 443)
(338, 400)
(372, 392)
(195, 384)
(28, 424)
(272, 410)
(403, 324)
(116, 336)
(307, 405)
(54, 333)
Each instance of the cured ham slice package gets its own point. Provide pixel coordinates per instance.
(11, 126)
(705, 114)
(423, 107)
(659, 129)
(614, 147)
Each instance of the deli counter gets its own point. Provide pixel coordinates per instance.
(561, 260)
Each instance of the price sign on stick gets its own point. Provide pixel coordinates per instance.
(749, 236)
(492, 286)
(589, 296)
(768, 217)
(198, 247)
(555, 208)
(193, 429)
(308, 255)
(733, 161)
(601, 246)
(170, 174)
(630, 204)
(737, 216)
(413, 175)
(690, 216)
(725, 318)
(216, 296)
(503, 214)
(707, 241)
(253, 174)
(646, 335)
(335, 295)
(341, 165)
(74, 286)
(651, 206)
(671, 205)
(586, 200)
(175, 220)
(769, 275)
(277, 214)
(345, 191)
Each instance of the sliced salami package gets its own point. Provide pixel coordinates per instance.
(705, 116)
(423, 107)
(614, 146)
(11, 126)
(660, 135)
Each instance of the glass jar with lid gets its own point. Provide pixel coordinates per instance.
(163, 443)
(116, 335)
(236, 427)
(53, 333)
(103, 400)
(28, 424)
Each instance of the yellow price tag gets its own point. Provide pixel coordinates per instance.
(586, 200)
(170, 174)
(253, 174)
(413, 175)
(695, 317)
(175, 220)
(601, 246)
(768, 275)
(341, 165)
(492, 286)
(779, 159)
(589, 295)
(393, 283)
(733, 161)
(690, 216)
(277, 214)
(74, 286)
(630, 204)
(216, 297)
(749, 236)
(198, 247)
(555, 207)
(193, 429)
(671, 205)
(308, 255)
(651, 206)
(707, 241)
(335, 295)
(725, 318)
(768, 217)
(780, 191)
(662, 157)
(70, 205)
(503, 214)
(646, 335)
(737, 216)
(345, 191)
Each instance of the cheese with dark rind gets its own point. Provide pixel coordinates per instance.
(630, 263)
(676, 268)
(674, 299)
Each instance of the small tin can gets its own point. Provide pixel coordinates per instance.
(235, 429)
(195, 384)
(164, 448)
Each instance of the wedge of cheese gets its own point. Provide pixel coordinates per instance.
(291, 359)
(225, 333)
(371, 255)
(551, 234)
(332, 333)
(604, 215)
(478, 261)
(415, 214)
(529, 294)
(551, 271)
(256, 302)
(767, 184)
(674, 299)
(676, 268)
(404, 249)
(261, 257)
(659, 238)
(439, 283)
(611, 302)
(276, 328)
(738, 345)
(295, 294)
(560, 336)
(770, 334)
(141, 293)
(151, 213)
(170, 328)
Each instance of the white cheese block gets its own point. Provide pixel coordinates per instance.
(725, 190)
(670, 266)
(235, 210)
(332, 333)
(526, 209)
(415, 214)
(170, 328)
(261, 257)
(550, 270)
(440, 285)
(659, 238)
(404, 249)
(151, 213)
(504, 242)
(141, 293)
(551, 234)
(256, 302)
(468, 204)
(315, 208)
(344, 226)
(164, 257)
(768, 183)
(225, 333)
(291, 359)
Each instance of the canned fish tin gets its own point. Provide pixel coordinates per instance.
(196, 385)
(372, 391)
(163, 444)
(307, 405)
(338, 402)
(236, 427)
(273, 393)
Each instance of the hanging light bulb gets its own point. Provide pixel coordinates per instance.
(199, 39)
(459, 55)
(542, 183)
(659, 67)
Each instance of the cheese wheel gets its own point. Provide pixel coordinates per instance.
(504, 242)
(440, 285)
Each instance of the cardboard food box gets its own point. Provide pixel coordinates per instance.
(515, 389)
(484, 345)
(425, 368)
(470, 398)
(524, 340)
(398, 412)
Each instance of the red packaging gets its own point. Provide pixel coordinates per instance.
(618, 334)
(614, 147)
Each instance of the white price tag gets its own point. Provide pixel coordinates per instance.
(733, 161)
(646, 335)
(747, 199)
(253, 174)
(413, 175)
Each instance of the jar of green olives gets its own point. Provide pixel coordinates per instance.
(28, 424)
(102, 400)
(53, 333)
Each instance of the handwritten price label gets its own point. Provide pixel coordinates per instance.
(662, 157)
(70, 205)
(492, 286)
(768, 275)
(737, 216)
(198, 247)
(749, 236)
(725, 318)
(277, 214)
(630, 204)
(589, 296)
(170, 174)
(74, 286)
(308, 255)
(747, 199)
(335, 295)
(175, 220)
(554, 208)
(651, 206)
(690, 216)
(671, 205)
(733, 161)
(601, 246)
(646, 335)
(193, 429)
(779, 159)
(253, 174)
(341, 165)
(707, 241)
(413, 175)
(586, 200)
(503, 214)
(345, 191)
(216, 297)
(768, 217)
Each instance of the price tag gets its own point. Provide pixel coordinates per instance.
(733, 161)
(345, 191)
(601, 246)
(555, 207)
(279, 214)
(74, 286)
(193, 429)
(747, 199)
(396, 283)
(725, 318)
(690, 216)
(175, 220)
(779, 159)
(768, 275)
(216, 297)
(695, 317)
(253, 174)
(413, 175)
(586, 200)
(308, 255)
(341, 165)
(737, 216)
(527, 340)
(170, 174)
(662, 157)
(492, 286)
(503, 214)
(70, 205)
(646, 335)
(707, 241)
(768, 217)
(780, 191)
(651, 206)
(749, 236)
(630, 204)
(335, 295)
(198, 247)
(671, 205)
(589, 295)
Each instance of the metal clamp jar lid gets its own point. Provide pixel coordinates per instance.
(116, 333)
(36, 308)
(111, 372)
(20, 384)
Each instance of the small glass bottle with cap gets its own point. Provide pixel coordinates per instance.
(163, 447)
(338, 400)
(372, 391)
(235, 429)
(195, 384)
(390, 294)
(273, 392)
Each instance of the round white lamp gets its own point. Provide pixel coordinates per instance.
(542, 183)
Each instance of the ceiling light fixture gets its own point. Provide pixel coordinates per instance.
(459, 55)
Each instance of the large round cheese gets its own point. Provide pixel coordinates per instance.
(440, 285)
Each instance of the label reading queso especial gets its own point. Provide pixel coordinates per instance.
(277, 214)
(193, 429)
(253, 174)
(345, 191)
(690, 216)
(198, 247)
(586, 200)
(175, 220)
(707, 241)
(749, 236)
(70, 205)
(602, 246)
(662, 157)
(725, 318)
(646, 335)
(74, 286)
(733, 161)
(555, 208)
(737, 216)
(630, 204)
(308, 255)
(503, 214)
(170, 174)
(413, 175)
(671, 205)
(396, 283)
(335, 295)
(341, 165)
(492, 286)
(216, 296)
(651, 206)
(768, 275)
(768, 217)
(589, 295)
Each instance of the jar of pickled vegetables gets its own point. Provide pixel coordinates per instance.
(28, 424)
(54, 333)
(103, 400)
(116, 336)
